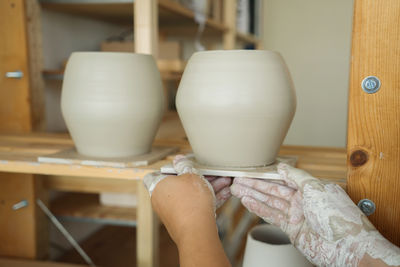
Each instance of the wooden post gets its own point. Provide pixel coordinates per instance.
(229, 21)
(146, 27)
(146, 42)
(374, 119)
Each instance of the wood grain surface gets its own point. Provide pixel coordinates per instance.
(374, 119)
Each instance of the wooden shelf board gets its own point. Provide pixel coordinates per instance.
(86, 206)
(169, 69)
(121, 12)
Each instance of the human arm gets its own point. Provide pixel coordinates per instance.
(320, 219)
(186, 205)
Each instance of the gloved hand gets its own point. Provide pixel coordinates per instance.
(320, 219)
(182, 165)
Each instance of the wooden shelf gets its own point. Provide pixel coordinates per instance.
(121, 12)
(87, 207)
(173, 17)
(169, 69)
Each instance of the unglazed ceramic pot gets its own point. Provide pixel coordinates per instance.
(267, 245)
(112, 103)
(236, 106)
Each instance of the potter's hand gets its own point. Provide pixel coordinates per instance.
(183, 165)
(220, 185)
(320, 219)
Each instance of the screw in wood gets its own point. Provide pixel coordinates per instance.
(371, 84)
(367, 206)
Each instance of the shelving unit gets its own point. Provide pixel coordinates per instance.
(173, 17)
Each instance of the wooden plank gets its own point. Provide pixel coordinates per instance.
(147, 231)
(146, 27)
(19, 164)
(15, 110)
(23, 231)
(373, 119)
(35, 53)
(146, 39)
(89, 184)
(29, 263)
(88, 206)
(229, 10)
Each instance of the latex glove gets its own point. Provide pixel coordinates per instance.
(320, 219)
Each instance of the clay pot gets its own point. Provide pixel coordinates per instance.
(268, 244)
(112, 103)
(236, 106)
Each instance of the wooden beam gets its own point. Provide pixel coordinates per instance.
(35, 54)
(229, 10)
(146, 27)
(374, 119)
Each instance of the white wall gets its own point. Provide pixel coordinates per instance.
(314, 37)
(62, 35)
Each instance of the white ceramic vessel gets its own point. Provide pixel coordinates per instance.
(236, 106)
(267, 245)
(112, 103)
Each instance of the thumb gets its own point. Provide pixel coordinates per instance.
(183, 165)
(150, 180)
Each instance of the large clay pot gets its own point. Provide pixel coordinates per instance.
(267, 245)
(112, 103)
(236, 106)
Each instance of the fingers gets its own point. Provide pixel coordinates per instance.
(266, 187)
(222, 196)
(295, 178)
(277, 203)
(267, 213)
(183, 165)
(220, 183)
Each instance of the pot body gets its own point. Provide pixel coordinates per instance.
(267, 243)
(112, 103)
(236, 106)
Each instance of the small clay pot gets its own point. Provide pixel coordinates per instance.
(112, 103)
(236, 106)
(267, 245)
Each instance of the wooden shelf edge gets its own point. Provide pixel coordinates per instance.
(166, 67)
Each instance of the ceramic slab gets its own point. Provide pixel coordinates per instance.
(71, 156)
(265, 172)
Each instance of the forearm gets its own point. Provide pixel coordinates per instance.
(202, 247)
(368, 261)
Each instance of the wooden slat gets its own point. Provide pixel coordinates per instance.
(373, 119)
(23, 232)
(29, 263)
(35, 53)
(15, 109)
(229, 10)
(87, 206)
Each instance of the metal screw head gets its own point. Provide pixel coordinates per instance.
(367, 206)
(22, 204)
(371, 84)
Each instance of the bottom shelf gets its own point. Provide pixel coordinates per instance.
(114, 246)
(87, 207)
